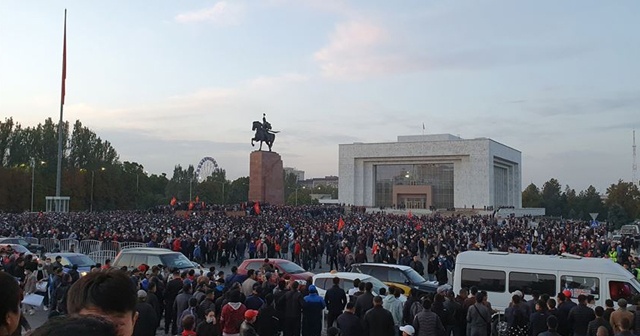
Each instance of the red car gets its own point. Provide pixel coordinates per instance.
(283, 266)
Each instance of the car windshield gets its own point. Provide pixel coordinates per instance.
(176, 260)
(413, 276)
(81, 260)
(291, 268)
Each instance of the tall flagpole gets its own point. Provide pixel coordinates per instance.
(60, 123)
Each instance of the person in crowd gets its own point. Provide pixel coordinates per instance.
(538, 320)
(312, 313)
(427, 322)
(181, 303)
(365, 301)
(247, 328)
(620, 315)
(407, 330)
(107, 294)
(147, 317)
(348, 323)
(174, 286)
(336, 299)
(552, 327)
(393, 304)
(209, 326)
(294, 301)
(188, 325)
(232, 314)
(76, 325)
(599, 321)
(378, 321)
(478, 318)
(580, 316)
(270, 320)
(11, 295)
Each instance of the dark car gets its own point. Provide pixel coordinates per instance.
(283, 266)
(401, 276)
(69, 259)
(34, 248)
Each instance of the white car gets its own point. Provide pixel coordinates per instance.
(324, 281)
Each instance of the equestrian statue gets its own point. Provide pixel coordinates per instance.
(263, 133)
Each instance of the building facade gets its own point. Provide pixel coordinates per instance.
(438, 171)
(298, 173)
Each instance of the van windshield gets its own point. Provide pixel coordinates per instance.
(176, 260)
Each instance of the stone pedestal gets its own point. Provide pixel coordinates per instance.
(266, 178)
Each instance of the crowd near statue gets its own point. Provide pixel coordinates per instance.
(264, 133)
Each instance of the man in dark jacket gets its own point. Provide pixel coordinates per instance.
(564, 307)
(427, 322)
(270, 321)
(293, 310)
(182, 302)
(147, 322)
(538, 320)
(348, 323)
(171, 291)
(335, 299)
(153, 300)
(365, 301)
(599, 321)
(378, 321)
(580, 316)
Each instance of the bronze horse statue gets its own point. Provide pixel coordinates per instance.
(263, 134)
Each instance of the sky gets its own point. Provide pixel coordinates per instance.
(171, 82)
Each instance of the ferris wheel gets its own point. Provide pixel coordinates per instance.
(206, 168)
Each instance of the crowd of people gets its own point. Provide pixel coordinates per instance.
(261, 303)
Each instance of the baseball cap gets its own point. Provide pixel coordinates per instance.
(567, 293)
(518, 293)
(250, 314)
(408, 329)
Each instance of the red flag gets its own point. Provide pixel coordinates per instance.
(256, 208)
(340, 224)
(173, 201)
(64, 59)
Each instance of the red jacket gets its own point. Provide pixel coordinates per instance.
(232, 317)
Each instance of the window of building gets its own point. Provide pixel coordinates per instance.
(580, 285)
(490, 281)
(529, 282)
(437, 175)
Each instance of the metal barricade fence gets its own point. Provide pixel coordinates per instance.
(102, 256)
(125, 245)
(89, 245)
(67, 244)
(49, 244)
(110, 246)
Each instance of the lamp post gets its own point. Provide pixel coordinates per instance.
(33, 179)
(93, 175)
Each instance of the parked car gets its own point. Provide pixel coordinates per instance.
(400, 276)
(12, 248)
(34, 248)
(151, 256)
(282, 266)
(324, 281)
(69, 259)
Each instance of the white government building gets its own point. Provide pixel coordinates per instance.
(430, 171)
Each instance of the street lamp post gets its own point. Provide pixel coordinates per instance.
(33, 180)
(93, 175)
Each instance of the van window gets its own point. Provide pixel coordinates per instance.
(580, 285)
(528, 282)
(125, 260)
(621, 290)
(491, 281)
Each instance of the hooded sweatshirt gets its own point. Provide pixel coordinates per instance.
(232, 317)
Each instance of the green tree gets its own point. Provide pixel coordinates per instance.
(551, 197)
(590, 201)
(627, 195)
(617, 216)
(238, 190)
(531, 197)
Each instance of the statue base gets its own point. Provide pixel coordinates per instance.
(266, 178)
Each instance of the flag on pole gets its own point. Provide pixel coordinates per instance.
(340, 224)
(64, 59)
(173, 201)
(256, 208)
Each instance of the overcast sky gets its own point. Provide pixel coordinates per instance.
(170, 82)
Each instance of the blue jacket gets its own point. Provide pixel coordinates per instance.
(312, 314)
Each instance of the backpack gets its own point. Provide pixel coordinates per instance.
(415, 308)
